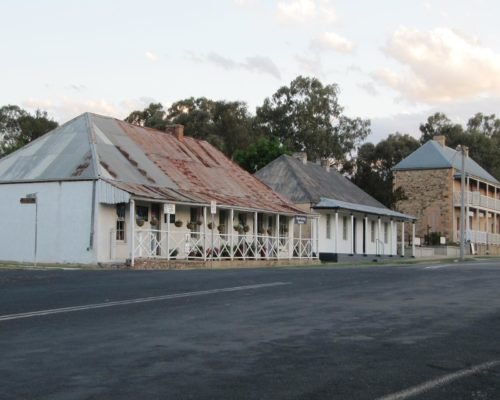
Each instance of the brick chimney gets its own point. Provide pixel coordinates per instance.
(325, 163)
(440, 139)
(177, 130)
(302, 156)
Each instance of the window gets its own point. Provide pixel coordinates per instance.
(283, 224)
(328, 226)
(172, 218)
(242, 219)
(120, 230)
(260, 223)
(386, 232)
(142, 212)
(373, 231)
(344, 227)
(120, 211)
(223, 217)
(194, 218)
(120, 222)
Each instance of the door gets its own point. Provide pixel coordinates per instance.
(156, 235)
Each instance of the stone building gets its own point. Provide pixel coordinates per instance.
(431, 179)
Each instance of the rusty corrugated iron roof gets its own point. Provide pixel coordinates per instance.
(142, 161)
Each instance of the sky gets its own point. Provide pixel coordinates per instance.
(395, 62)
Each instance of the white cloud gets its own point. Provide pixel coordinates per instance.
(440, 66)
(258, 64)
(332, 41)
(311, 64)
(151, 56)
(64, 108)
(409, 122)
(244, 3)
(302, 11)
(369, 88)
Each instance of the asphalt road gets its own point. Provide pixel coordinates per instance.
(378, 332)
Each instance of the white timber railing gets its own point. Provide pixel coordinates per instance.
(476, 199)
(200, 246)
(480, 237)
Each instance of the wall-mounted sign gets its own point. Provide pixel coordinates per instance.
(213, 207)
(169, 208)
(299, 220)
(27, 200)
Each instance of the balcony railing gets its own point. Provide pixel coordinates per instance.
(480, 237)
(199, 246)
(476, 199)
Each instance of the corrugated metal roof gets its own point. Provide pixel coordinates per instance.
(343, 205)
(64, 153)
(432, 155)
(308, 183)
(141, 161)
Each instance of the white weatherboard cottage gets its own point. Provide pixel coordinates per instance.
(99, 190)
(351, 222)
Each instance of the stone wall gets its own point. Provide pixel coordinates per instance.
(429, 198)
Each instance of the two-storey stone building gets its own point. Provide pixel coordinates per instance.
(431, 180)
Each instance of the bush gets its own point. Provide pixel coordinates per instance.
(433, 238)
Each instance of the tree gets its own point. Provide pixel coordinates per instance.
(18, 127)
(306, 116)
(487, 125)
(373, 167)
(259, 154)
(225, 124)
(481, 136)
(440, 124)
(153, 116)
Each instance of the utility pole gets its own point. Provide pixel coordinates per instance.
(464, 150)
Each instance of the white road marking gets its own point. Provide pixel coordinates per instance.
(444, 380)
(137, 301)
(440, 266)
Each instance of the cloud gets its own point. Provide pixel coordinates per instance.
(332, 41)
(64, 108)
(221, 61)
(244, 3)
(369, 88)
(262, 65)
(311, 64)
(151, 56)
(77, 87)
(258, 64)
(440, 66)
(459, 112)
(303, 11)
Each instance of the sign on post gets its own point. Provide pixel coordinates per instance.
(169, 208)
(213, 207)
(300, 220)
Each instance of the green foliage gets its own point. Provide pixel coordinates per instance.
(259, 154)
(153, 116)
(433, 238)
(306, 116)
(226, 125)
(481, 136)
(373, 167)
(18, 127)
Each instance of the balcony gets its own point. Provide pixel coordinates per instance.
(475, 199)
(479, 237)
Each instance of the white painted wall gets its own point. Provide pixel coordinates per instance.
(344, 246)
(64, 222)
